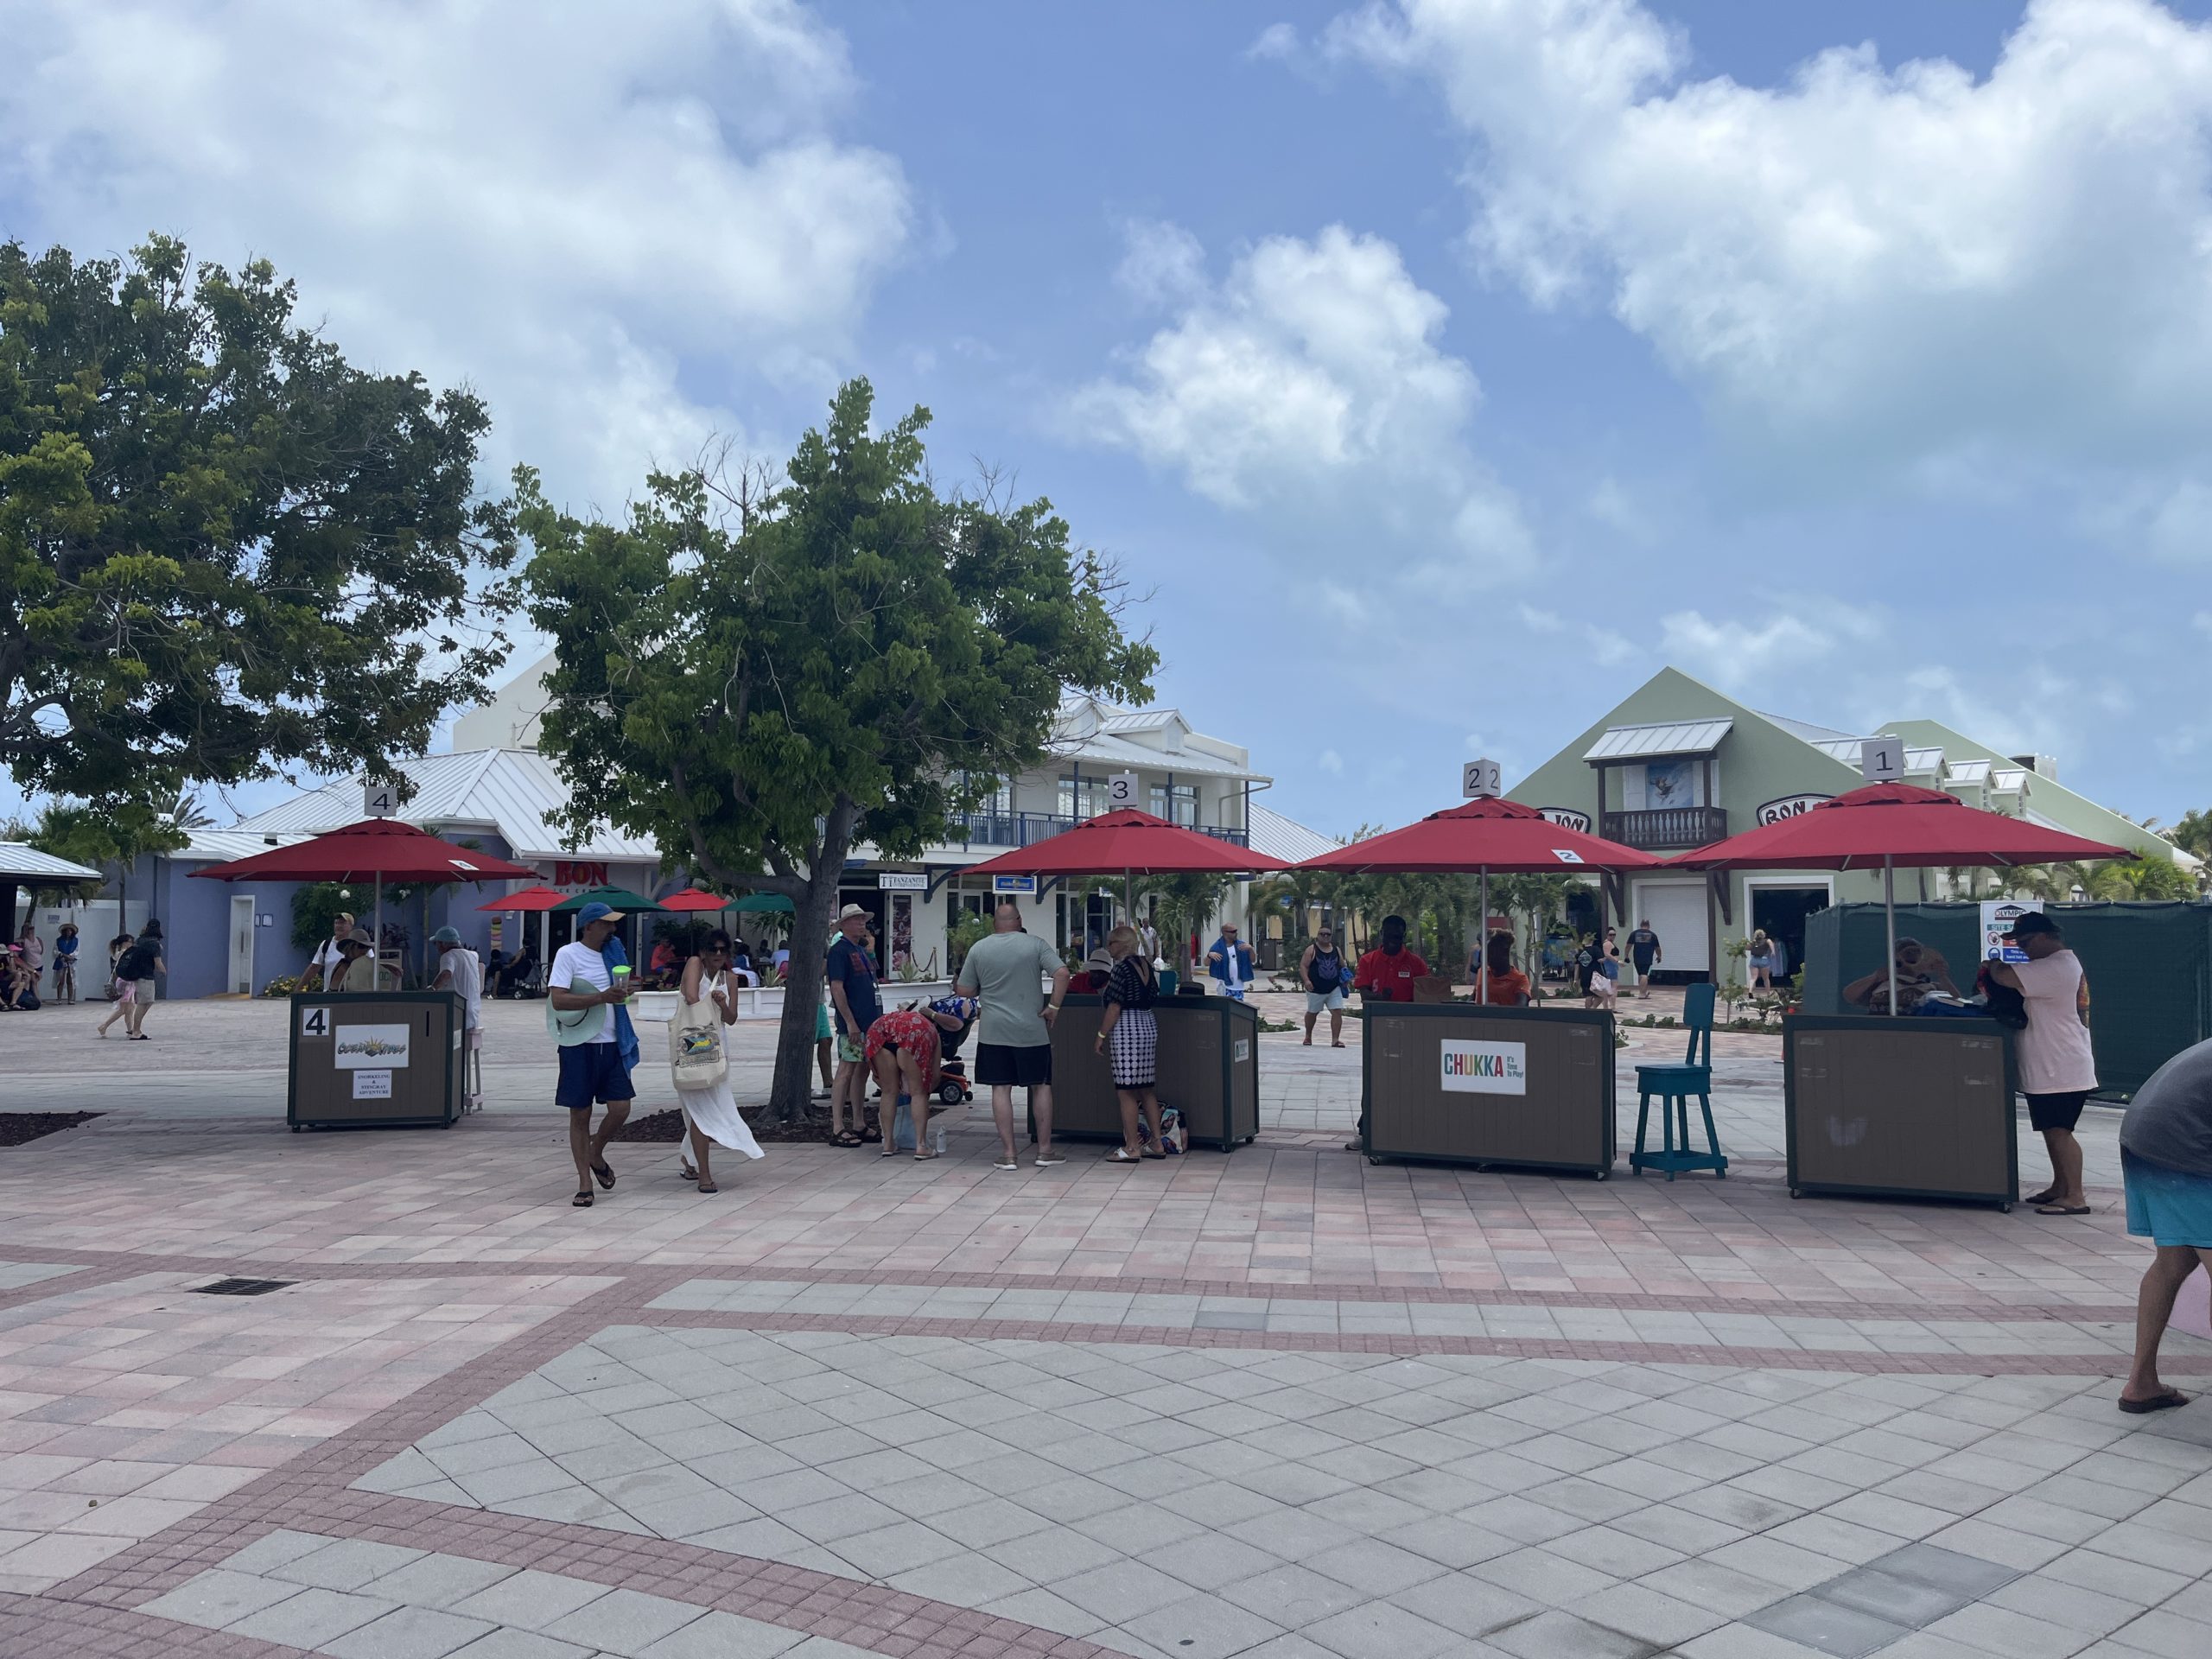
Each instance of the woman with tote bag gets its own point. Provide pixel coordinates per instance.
(699, 1057)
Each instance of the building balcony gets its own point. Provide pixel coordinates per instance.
(1667, 830)
(1026, 829)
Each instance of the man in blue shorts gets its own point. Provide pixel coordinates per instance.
(583, 997)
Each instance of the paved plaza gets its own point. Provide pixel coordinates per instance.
(1281, 1403)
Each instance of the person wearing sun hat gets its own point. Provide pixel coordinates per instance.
(460, 972)
(584, 1006)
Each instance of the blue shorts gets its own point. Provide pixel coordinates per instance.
(2167, 1206)
(592, 1071)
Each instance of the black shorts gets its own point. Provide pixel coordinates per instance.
(2057, 1111)
(1003, 1062)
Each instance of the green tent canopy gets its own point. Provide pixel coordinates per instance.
(621, 898)
(754, 903)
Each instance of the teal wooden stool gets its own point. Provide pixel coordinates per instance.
(1673, 1086)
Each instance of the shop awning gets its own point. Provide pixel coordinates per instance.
(1651, 743)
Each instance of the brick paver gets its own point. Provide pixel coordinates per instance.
(1281, 1403)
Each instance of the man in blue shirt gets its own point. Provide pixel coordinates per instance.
(856, 1005)
(1230, 963)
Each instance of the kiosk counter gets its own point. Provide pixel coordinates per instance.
(388, 1058)
(1207, 1068)
(1913, 1107)
(1457, 1084)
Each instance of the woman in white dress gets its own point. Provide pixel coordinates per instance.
(712, 1112)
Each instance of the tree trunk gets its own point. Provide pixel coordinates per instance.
(814, 912)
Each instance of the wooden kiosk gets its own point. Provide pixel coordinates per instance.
(1208, 1069)
(1456, 1083)
(1911, 1107)
(387, 1058)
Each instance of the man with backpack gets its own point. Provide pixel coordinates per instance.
(1323, 969)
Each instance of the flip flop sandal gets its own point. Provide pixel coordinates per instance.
(924, 1157)
(846, 1138)
(708, 1186)
(603, 1174)
(2043, 1197)
(2063, 1210)
(2166, 1401)
(871, 1135)
(582, 1200)
(1120, 1155)
(1160, 1155)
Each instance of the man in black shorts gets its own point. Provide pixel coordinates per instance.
(1013, 1037)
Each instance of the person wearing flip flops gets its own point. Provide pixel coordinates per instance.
(1006, 971)
(2165, 1160)
(2057, 1068)
(1129, 1036)
(582, 1005)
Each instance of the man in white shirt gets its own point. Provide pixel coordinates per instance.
(460, 973)
(330, 952)
(582, 997)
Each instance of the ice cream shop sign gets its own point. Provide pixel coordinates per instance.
(580, 874)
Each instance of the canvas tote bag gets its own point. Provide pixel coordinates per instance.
(696, 1056)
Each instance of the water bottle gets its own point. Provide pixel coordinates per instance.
(937, 1137)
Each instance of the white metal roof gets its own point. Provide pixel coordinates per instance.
(1681, 737)
(1123, 755)
(1285, 838)
(512, 792)
(1811, 734)
(1967, 771)
(24, 862)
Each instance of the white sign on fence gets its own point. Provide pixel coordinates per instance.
(1484, 1068)
(371, 1048)
(373, 1085)
(1997, 916)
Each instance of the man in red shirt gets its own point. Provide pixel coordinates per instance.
(1386, 974)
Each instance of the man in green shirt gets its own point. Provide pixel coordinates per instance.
(1013, 1039)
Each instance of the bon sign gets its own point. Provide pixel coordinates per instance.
(1789, 806)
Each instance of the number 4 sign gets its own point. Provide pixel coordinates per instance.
(379, 800)
(315, 1020)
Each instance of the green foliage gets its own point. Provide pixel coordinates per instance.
(111, 840)
(282, 985)
(315, 908)
(762, 673)
(223, 549)
(2156, 878)
(972, 926)
(2194, 833)
(1187, 904)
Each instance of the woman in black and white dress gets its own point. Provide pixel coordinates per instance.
(1129, 1036)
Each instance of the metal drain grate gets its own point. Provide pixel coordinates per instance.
(243, 1286)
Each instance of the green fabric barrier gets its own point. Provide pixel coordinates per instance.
(2149, 968)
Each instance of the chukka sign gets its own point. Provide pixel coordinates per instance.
(1484, 1067)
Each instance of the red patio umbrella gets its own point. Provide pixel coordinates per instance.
(1895, 825)
(1487, 833)
(1133, 842)
(375, 848)
(527, 899)
(692, 898)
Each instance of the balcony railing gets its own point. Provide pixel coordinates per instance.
(1669, 829)
(1026, 829)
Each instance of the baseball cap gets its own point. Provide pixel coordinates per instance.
(2032, 922)
(596, 911)
(851, 911)
(446, 935)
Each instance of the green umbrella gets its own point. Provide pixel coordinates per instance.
(753, 902)
(620, 899)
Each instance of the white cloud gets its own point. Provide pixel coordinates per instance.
(1331, 762)
(1540, 621)
(1310, 383)
(1162, 263)
(1277, 41)
(563, 213)
(1736, 655)
(1609, 649)
(1868, 266)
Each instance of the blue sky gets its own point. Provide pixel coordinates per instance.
(1442, 368)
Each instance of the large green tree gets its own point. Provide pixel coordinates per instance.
(765, 673)
(223, 549)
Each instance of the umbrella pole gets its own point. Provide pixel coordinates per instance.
(376, 939)
(1482, 944)
(1890, 918)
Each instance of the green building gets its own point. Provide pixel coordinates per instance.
(1676, 765)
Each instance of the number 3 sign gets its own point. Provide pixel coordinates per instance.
(1122, 790)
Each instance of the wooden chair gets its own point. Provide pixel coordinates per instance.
(1673, 1086)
